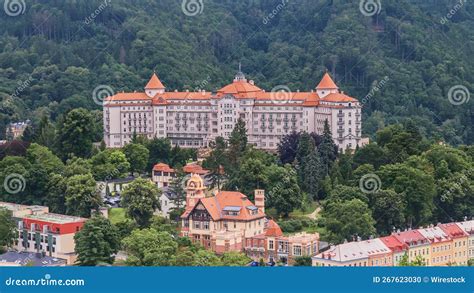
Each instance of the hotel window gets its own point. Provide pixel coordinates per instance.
(270, 245)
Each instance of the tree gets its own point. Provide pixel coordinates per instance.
(149, 247)
(110, 164)
(55, 195)
(327, 149)
(346, 220)
(311, 175)
(388, 208)
(45, 134)
(235, 259)
(370, 154)
(159, 151)
(96, 242)
(284, 193)
(303, 261)
(8, 232)
(184, 258)
(343, 193)
(419, 261)
(177, 187)
(75, 134)
(237, 145)
(417, 187)
(137, 155)
(140, 199)
(305, 147)
(28, 134)
(206, 258)
(81, 195)
(216, 162)
(288, 146)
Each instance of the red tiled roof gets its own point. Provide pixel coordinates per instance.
(393, 243)
(128, 97)
(410, 236)
(326, 82)
(154, 83)
(273, 229)
(239, 88)
(453, 230)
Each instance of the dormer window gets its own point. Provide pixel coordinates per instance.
(232, 210)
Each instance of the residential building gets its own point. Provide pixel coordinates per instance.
(441, 246)
(194, 119)
(371, 252)
(15, 130)
(417, 244)
(468, 227)
(460, 241)
(229, 221)
(163, 174)
(45, 233)
(398, 248)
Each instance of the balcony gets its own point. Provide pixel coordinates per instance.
(340, 115)
(357, 114)
(340, 130)
(340, 122)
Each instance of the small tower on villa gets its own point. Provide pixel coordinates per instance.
(260, 199)
(326, 86)
(194, 191)
(154, 86)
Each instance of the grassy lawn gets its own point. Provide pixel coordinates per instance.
(307, 209)
(117, 215)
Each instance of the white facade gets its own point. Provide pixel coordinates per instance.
(193, 119)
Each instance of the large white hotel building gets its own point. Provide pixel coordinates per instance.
(193, 119)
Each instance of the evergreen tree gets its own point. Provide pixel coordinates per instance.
(327, 149)
(312, 174)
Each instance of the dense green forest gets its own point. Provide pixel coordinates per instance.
(56, 52)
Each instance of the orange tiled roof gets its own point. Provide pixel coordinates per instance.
(162, 167)
(273, 229)
(326, 82)
(239, 88)
(195, 169)
(154, 83)
(338, 97)
(215, 206)
(128, 97)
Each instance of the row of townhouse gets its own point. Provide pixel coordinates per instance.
(441, 245)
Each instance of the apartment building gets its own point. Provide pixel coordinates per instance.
(45, 233)
(194, 119)
(460, 242)
(468, 227)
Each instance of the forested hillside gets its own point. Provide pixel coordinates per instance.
(56, 52)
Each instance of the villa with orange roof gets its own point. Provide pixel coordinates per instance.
(229, 221)
(194, 119)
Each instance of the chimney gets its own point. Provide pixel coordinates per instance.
(260, 199)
